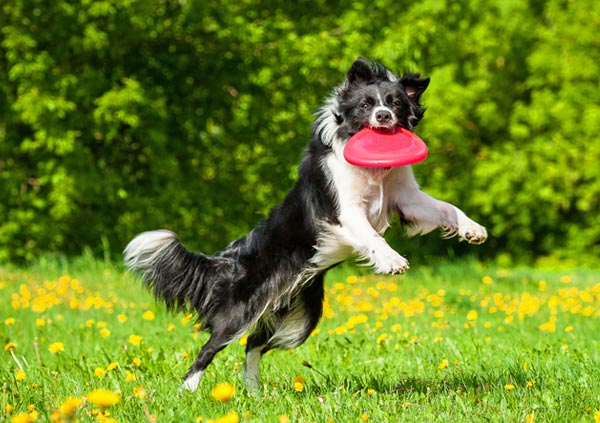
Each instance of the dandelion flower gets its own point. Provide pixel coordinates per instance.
(370, 392)
(113, 365)
(472, 315)
(135, 340)
(11, 346)
(40, 322)
(148, 315)
(21, 418)
(103, 398)
(364, 417)
(509, 387)
(597, 417)
(298, 384)
(137, 362)
(99, 372)
(105, 333)
(56, 347)
(231, 417)
(20, 374)
(121, 318)
(283, 419)
(139, 392)
(530, 383)
(443, 364)
(10, 321)
(223, 392)
(69, 407)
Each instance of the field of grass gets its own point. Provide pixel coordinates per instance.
(82, 341)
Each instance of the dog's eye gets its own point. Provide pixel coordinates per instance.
(365, 105)
(396, 103)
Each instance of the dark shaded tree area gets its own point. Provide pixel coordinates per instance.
(123, 116)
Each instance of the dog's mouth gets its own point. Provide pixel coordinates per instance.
(384, 128)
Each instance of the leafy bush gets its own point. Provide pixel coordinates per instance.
(123, 116)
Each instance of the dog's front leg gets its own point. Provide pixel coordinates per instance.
(423, 214)
(356, 230)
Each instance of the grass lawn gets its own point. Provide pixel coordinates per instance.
(456, 342)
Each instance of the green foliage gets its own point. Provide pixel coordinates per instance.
(122, 116)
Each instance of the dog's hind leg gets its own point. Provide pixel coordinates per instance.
(221, 335)
(286, 328)
(255, 348)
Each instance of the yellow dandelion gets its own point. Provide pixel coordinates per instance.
(122, 318)
(105, 333)
(223, 392)
(137, 362)
(231, 417)
(148, 315)
(171, 328)
(11, 346)
(530, 418)
(40, 322)
(283, 419)
(103, 398)
(509, 387)
(135, 340)
(10, 321)
(364, 417)
(370, 392)
(486, 280)
(530, 383)
(597, 417)
(56, 347)
(8, 409)
(20, 374)
(21, 418)
(99, 372)
(443, 364)
(129, 377)
(472, 315)
(139, 392)
(113, 365)
(298, 384)
(69, 407)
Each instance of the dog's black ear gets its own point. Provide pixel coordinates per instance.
(361, 71)
(414, 85)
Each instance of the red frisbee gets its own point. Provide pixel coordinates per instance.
(372, 147)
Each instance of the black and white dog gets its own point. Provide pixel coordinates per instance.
(270, 282)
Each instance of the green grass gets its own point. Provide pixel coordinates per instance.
(456, 342)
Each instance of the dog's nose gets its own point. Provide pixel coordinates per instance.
(383, 116)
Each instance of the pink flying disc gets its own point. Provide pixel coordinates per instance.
(371, 147)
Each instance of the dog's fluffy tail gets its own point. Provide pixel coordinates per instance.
(174, 274)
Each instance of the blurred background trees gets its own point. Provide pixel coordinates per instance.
(119, 116)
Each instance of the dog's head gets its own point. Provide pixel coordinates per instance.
(373, 96)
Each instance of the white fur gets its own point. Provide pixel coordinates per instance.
(192, 381)
(142, 251)
(366, 197)
(252, 369)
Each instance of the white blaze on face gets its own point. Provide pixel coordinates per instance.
(382, 116)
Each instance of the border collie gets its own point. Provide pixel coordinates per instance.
(270, 282)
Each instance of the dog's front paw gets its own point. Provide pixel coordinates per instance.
(473, 233)
(389, 262)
